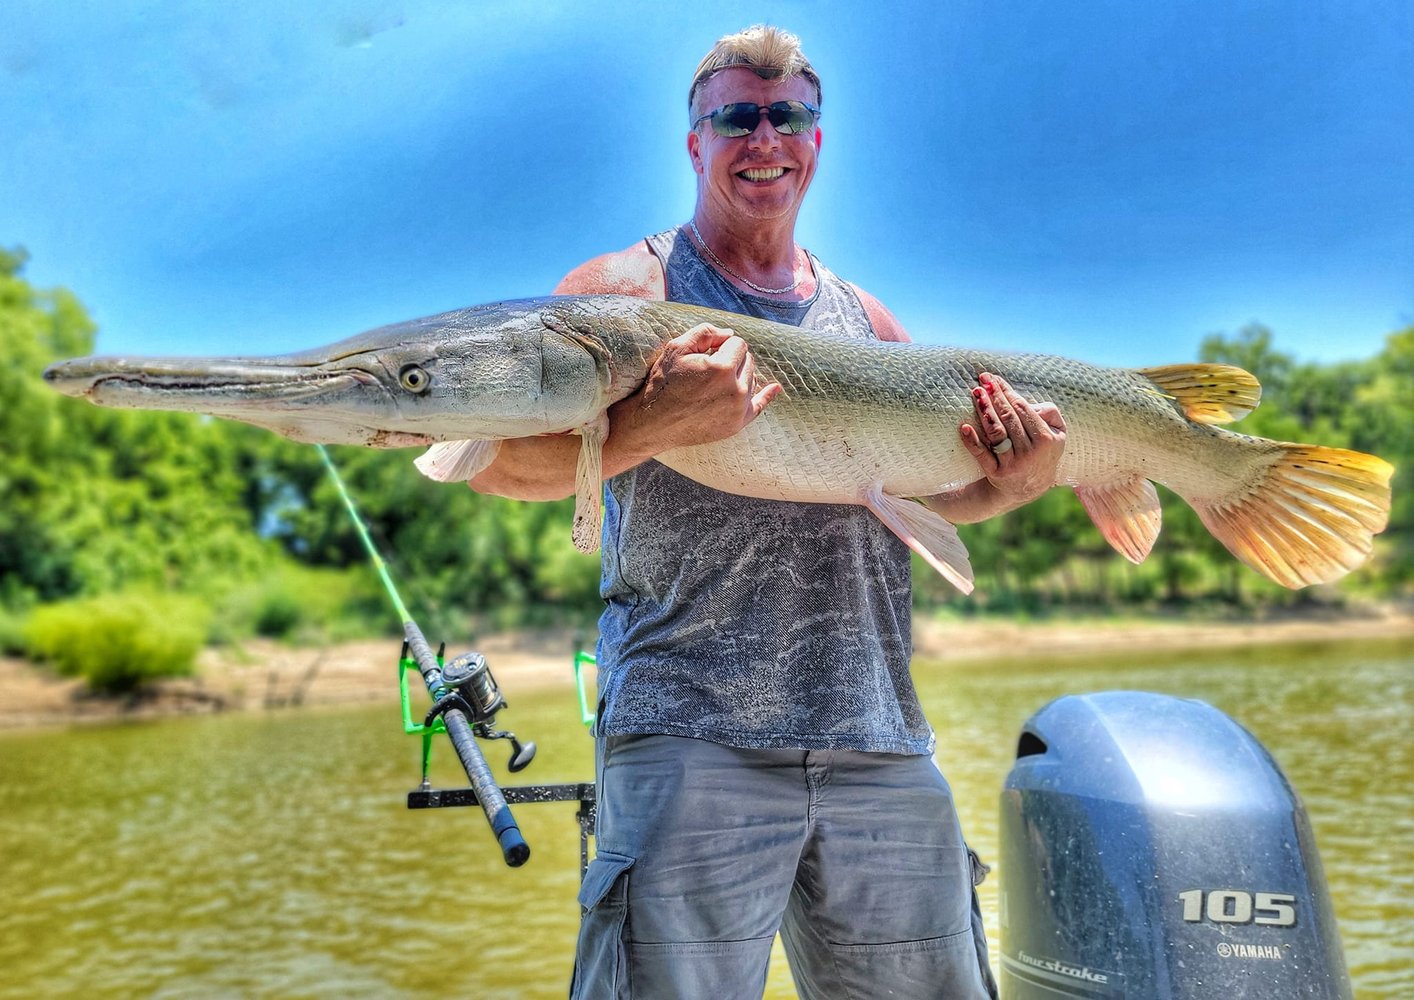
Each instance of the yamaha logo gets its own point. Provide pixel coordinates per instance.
(1265, 952)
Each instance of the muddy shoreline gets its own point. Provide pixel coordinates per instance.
(263, 675)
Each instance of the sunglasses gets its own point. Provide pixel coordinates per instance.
(786, 117)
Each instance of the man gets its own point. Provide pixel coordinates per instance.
(763, 760)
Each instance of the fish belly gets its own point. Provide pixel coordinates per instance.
(802, 454)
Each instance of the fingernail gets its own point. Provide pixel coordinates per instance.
(977, 392)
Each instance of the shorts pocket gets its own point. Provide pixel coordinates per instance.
(933, 967)
(601, 959)
(701, 970)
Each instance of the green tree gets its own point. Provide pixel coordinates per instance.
(451, 547)
(1382, 421)
(95, 500)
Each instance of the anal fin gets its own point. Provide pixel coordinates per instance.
(929, 534)
(1127, 514)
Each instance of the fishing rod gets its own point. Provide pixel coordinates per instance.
(465, 698)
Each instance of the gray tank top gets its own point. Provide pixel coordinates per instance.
(755, 623)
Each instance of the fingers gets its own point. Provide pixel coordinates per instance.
(979, 449)
(989, 419)
(1038, 422)
(768, 392)
(1009, 407)
(1050, 414)
(1025, 423)
(723, 350)
(707, 379)
(732, 354)
(702, 339)
(735, 353)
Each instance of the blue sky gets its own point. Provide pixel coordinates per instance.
(1107, 180)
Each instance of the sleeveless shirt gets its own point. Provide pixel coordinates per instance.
(754, 623)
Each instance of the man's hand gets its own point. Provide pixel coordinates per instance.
(701, 388)
(1017, 446)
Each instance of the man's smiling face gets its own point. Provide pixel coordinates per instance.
(763, 175)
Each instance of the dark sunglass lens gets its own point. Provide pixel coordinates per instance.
(790, 116)
(736, 119)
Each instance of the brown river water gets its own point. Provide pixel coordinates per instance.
(271, 855)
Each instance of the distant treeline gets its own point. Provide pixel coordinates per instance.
(98, 502)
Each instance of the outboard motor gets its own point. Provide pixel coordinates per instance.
(1152, 849)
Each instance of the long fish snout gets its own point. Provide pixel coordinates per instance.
(82, 376)
(489, 372)
(72, 378)
(193, 383)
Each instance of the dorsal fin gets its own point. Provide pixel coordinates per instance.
(1208, 393)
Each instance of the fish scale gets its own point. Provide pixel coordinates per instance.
(899, 407)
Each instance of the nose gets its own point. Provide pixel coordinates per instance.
(765, 136)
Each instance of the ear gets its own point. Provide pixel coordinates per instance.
(819, 136)
(694, 150)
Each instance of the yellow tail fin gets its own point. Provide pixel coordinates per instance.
(1311, 519)
(1208, 393)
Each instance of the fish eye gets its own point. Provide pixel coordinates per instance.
(414, 379)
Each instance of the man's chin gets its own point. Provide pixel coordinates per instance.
(765, 209)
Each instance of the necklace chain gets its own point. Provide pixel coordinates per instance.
(745, 281)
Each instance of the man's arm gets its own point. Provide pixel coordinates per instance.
(635, 271)
(700, 388)
(1009, 480)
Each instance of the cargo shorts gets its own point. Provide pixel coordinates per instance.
(705, 851)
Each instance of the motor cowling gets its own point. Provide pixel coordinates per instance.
(1152, 848)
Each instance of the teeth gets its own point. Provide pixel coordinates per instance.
(763, 173)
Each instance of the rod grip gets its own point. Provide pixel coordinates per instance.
(488, 793)
(513, 846)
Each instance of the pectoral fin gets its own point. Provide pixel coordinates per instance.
(927, 533)
(589, 484)
(456, 461)
(1126, 513)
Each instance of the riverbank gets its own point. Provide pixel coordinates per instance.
(262, 675)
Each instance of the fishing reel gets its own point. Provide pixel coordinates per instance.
(470, 676)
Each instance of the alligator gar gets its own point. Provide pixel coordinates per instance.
(858, 422)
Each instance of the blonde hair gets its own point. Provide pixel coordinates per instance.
(770, 52)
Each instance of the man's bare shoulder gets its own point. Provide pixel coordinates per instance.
(633, 271)
(886, 325)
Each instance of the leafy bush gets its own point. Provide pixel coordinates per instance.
(12, 637)
(119, 642)
(301, 604)
(278, 614)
